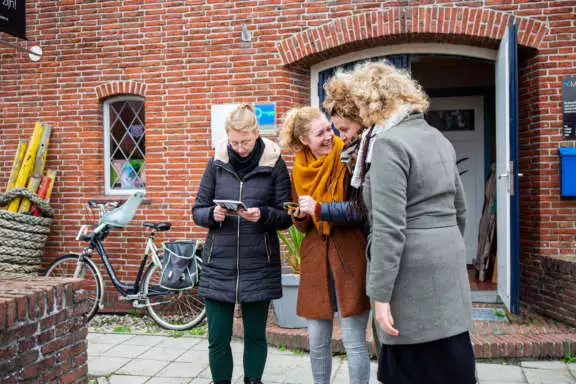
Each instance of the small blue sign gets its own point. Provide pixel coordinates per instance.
(266, 115)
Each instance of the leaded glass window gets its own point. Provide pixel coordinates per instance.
(125, 145)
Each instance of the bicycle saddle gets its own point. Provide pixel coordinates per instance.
(165, 226)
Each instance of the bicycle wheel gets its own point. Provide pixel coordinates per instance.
(173, 310)
(92, 287)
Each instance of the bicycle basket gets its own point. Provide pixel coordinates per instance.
(179, 265)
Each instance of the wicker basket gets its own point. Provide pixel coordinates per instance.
(22, 237)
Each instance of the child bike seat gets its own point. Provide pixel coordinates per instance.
(123, 215)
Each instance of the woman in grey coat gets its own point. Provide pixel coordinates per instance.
(417, 257)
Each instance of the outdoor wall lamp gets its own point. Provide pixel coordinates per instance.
(34, 53)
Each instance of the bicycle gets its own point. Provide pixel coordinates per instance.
(172, 310)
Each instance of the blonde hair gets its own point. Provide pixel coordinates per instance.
(382, 88)
(297, 123)
(338, 100)
(242, 118)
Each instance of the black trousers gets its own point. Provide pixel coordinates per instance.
(445, 361)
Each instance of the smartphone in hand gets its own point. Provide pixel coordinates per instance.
(290, 206)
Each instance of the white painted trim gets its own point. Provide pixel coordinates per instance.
(106, 111)
(474, 183)
(400, 49)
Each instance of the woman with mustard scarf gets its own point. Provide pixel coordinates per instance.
(333, 266)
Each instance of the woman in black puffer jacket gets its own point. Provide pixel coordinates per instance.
(242, 253)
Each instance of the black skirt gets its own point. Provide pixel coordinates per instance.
(444, 361)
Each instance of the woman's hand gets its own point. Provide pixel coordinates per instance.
(307, 205)
(220, 213)
(384, 317)
(297, 213)
(250, 214)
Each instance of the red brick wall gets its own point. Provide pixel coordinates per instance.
(42, 334)
(184, 56)
(554, 292)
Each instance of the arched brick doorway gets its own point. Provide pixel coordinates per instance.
(468, 31)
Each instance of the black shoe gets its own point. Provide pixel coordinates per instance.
(250, 380)
(222, 382)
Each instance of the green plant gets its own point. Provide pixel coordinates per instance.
(122, 329)
(569, 358)
(458, 162)
(172, 333)
(298, 352)
(197, 331)
(498, 312)
(293, 242)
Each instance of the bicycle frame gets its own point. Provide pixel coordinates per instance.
(123, 288)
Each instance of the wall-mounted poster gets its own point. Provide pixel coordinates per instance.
(569, 107)
(13, 17)
(266, 116)
(218, 121)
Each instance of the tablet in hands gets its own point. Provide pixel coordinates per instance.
(232, 206)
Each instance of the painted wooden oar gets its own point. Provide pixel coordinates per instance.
(39, 163)
(18, 158)
(45, 182)
(33, 184)
(27, 164)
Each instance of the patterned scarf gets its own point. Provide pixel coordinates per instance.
(368, 137)
(349, 154)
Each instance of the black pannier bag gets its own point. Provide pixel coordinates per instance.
(179, 265)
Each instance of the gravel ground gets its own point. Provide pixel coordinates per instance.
(130, 323)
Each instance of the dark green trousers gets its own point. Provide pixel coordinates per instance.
(220, 321)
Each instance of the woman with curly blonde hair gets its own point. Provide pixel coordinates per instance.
(333, 268)
(343, 112)
(345, 117)
(417, 257)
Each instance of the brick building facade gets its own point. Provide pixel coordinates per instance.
(181, 57)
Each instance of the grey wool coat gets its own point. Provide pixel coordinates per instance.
(417, 255)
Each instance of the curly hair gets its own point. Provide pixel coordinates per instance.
(297, 123)
(339, 101)
(382, 88)
(242, 119)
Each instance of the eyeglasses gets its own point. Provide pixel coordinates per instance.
(243, 143)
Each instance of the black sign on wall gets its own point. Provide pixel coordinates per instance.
(13, 17)
(569, 107)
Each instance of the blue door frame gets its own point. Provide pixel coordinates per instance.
(514, 199)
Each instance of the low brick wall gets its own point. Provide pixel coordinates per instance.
(552, 289)
(42, 335)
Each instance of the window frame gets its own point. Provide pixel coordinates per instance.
(108, 191)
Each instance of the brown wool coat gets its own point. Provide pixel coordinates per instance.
(344, 249)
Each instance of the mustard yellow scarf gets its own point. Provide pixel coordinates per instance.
(323, 178)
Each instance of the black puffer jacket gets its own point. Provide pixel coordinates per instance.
(242, 258)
